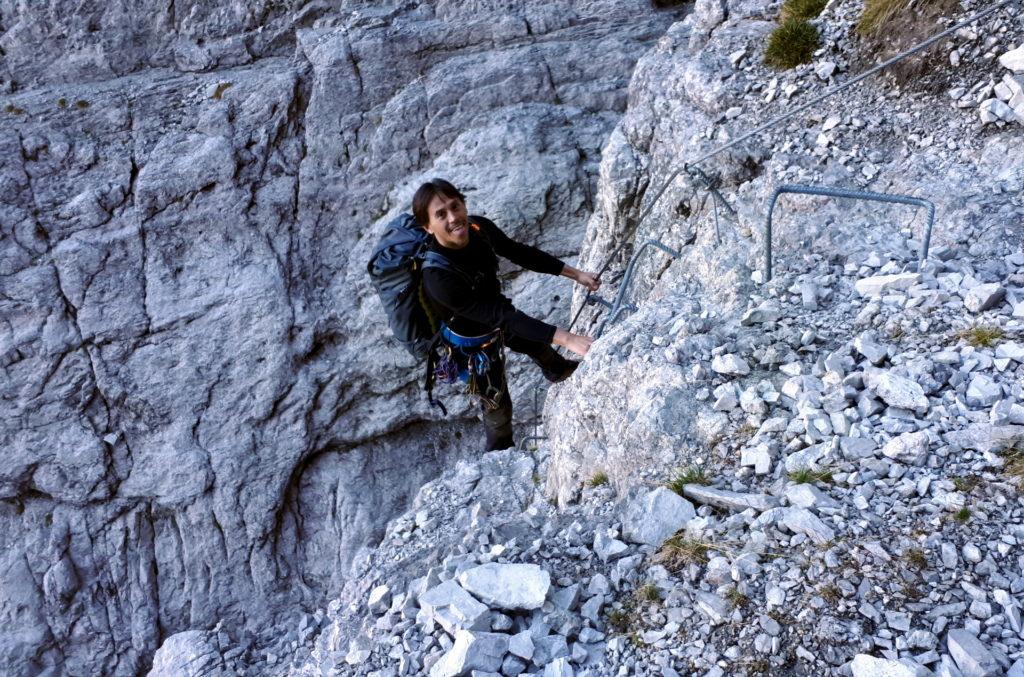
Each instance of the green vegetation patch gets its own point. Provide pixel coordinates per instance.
(694, 474)
(648, 592)
(966, 483)
(809, 476)
(879, 13)
(678, 551)
(981, 335)
(619, 620)
(737, 599)
(916, 558)
(831, 593)
(801, 9)
(791, 44)
(1013, 465)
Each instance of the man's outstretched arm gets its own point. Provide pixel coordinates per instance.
(532, 258)
(588, 280)
(448, 289)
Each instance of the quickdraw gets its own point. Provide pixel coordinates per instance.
(469, 359)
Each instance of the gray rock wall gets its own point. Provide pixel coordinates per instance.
(204, 420)
(642, 399)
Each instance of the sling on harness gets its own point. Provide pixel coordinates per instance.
(469, 359)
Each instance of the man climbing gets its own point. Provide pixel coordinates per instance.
(477, 318)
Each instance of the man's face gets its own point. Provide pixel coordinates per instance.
(448, 222)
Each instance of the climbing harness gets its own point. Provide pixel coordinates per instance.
(470, 359)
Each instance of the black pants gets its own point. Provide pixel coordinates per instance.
(498, 421)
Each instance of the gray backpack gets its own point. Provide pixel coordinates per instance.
(396, 271)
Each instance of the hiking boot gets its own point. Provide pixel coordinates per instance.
(558, 376)
(554, 367)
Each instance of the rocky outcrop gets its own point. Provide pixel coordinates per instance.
(204, 419)
(701, 86)
(840, 557)
(845, 430)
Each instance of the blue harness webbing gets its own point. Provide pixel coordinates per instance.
(468, 359)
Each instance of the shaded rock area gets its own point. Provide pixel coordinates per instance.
(205, 421)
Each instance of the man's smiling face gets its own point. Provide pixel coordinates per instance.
(448, 221)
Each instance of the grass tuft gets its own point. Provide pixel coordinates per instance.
(648, 592)
(791, 44)
(963, 515)
(981, 335)
(694, 474)
(599, 479)
(619, 620)
(81, 104)
(737, 599)
(13, 110)
(916, 558)
(878, 13)
(801, 9)
(809, 476)
(912, 592)
(966, 483)
(758, 666)
(1013, 465)
(831, 593)
(678, 551)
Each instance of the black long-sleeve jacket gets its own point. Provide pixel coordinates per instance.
(476, 306)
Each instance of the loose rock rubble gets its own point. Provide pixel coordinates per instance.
(854, 506)
(881, 535)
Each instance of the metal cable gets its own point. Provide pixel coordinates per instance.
(771, 123)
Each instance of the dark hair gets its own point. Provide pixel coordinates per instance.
(427, 192)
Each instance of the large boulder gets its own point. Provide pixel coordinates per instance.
(193, 653)
(655, 516)
(508, 586)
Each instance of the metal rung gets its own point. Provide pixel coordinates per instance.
(619, 306)
(847, 193)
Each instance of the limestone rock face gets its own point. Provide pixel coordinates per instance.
(662, 384)
(832, 519)
(204, 418)
(188, 654)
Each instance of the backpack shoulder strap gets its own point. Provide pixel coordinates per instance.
(432, 259)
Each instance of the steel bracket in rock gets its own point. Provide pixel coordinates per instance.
(846, 193)
(619, 305)
(594, 298)
(538, 416)
(711, 184)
